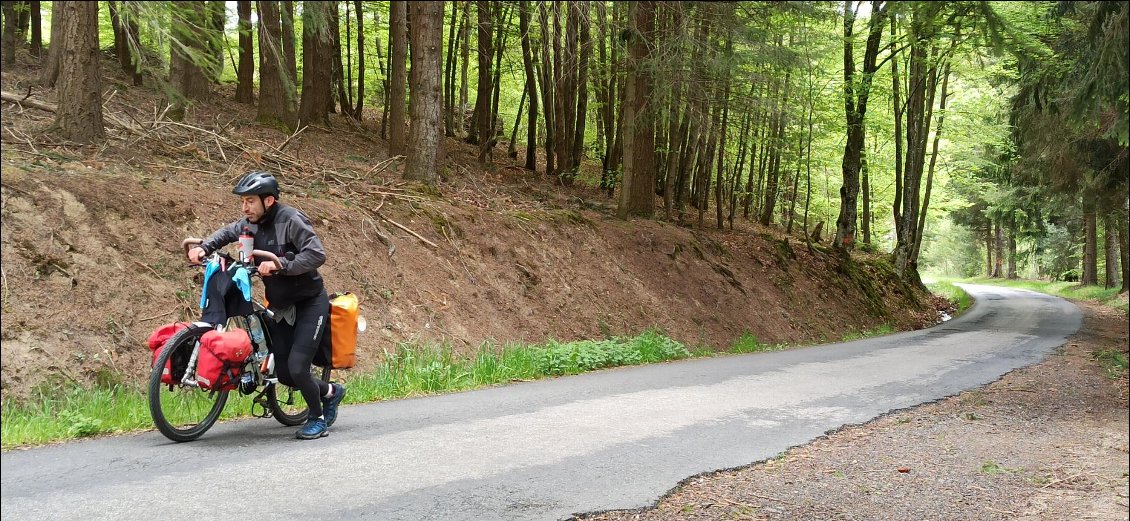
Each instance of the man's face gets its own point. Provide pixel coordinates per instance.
(253, 207)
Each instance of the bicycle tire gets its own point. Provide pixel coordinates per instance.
(173, 407)
(284, 405)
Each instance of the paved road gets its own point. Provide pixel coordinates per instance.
(539, 450)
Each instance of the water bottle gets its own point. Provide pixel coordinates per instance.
(246, 245)
(256, 331)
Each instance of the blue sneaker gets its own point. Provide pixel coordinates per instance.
(329, 405)
(314, 428)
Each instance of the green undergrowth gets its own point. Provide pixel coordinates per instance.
(954, 294)
(1072, 290)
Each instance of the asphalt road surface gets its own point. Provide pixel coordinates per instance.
(537, 450)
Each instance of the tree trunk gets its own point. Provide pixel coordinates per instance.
(607, 96)
(190, 56)
(50, 72)
(548, 91)
(921, 229)
(773, 171)
(449, 73)
(988, 247)
(637, 195)
(384, 74)
(1110, 239)
(1090, 247)
(339, 75)
(79, 116)
(118, 30)
(856, 92)
(215, 13)
(1124, 245)
(480, 121)
(561, 93)
(9, 33)
(729, 54)
(503, 21)
(512, 145)
(130, 16)
(582, 83)
(276, 104)
(360, 62)
(245, 72)
(398, 62)
(426, 37)
(998, 249)
(289, 54)
(1011, 245)
(531, 86)
(896, 102)
(317, 62)
(36, 28)
(465, 57)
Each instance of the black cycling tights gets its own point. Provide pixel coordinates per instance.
(294, 348)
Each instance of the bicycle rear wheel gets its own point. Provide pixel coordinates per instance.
(286, 402)
(182, 413)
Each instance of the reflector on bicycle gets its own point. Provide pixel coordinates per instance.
(221, 360)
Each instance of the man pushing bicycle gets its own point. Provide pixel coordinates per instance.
(294, 291)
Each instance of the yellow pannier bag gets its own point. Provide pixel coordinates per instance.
(344, 310)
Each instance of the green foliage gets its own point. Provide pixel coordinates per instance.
(1106, 296)
(992, 468)
(747, 343)
(954, 294)
(1113, 362)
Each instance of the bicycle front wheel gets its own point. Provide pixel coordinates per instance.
(182, 413)
(286, 402)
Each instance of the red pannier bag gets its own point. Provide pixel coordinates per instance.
(157, 340)
(221, 359)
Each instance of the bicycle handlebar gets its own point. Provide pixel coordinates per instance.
(189, 242)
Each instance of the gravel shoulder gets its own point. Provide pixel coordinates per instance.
(1045, 442)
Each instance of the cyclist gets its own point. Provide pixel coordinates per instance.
(295, 292)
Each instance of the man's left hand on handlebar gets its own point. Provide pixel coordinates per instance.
(267, 268)
(196, 255)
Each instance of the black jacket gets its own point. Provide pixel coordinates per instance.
(282, 230)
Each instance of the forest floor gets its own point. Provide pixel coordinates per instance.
(92, 263)
(1046, 442)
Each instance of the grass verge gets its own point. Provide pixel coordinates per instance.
(409, 370)
(1105, 296)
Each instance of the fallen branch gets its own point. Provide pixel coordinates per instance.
(21, 100)
(379, 167)
(292, 136)
(405, 228)
(146, 319)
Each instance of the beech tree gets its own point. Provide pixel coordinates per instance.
(857, 89)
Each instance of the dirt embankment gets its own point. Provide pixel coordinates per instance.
(91, 265)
